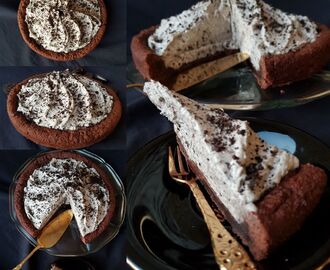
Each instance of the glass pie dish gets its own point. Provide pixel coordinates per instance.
(70, 244)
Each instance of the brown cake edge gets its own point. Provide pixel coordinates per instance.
(292, 201)
(61, 56)
(42, 160)
(62, 139)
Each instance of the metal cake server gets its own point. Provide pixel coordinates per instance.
(229, 254)
(207, 70)
(50, 234)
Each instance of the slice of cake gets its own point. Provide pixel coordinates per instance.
(55, 179)
(282, 47)
(263, 191)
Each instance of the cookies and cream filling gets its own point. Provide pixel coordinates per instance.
(66, 182)
(63, 26)
(239, 166)
(64, 100)
(210, 27)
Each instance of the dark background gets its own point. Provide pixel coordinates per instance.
(14, 247)
(11, 139)
(14, 51)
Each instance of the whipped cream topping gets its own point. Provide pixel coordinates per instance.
(63, 25)
(71, 182)
(238, 165)
(210, 27)
(64, 100)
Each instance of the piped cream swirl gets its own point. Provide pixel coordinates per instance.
(63, 25)
(64, 100)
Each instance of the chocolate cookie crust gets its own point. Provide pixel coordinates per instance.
(280, 213)
(55, 55)
(44, 159)
(275, 70)
(62, 139)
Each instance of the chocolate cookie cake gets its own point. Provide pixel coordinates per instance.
(264, 192)
(62, 30)
(63, 110)
(58, 179)
(283, 47)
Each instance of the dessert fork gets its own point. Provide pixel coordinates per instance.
(229, 254)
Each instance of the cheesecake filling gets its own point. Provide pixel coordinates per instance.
(239, 166)
(66, 182)
(210, 27)
(64, 100)
(63, 26)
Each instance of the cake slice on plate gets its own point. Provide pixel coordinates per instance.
(283, 47)
(263, 191)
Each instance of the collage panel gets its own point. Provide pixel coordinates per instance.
(232, 170)
(100, 25)
(63, 138)
(99, 253)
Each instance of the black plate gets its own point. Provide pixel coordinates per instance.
(166, 230)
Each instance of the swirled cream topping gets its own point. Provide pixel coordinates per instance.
(66, 182)
(209, 27)
(238, 165)
(63, 25)
(64, 100)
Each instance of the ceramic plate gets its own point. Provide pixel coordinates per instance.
(165, 227)
(237, 89)
(70, 244)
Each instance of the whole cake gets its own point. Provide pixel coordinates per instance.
(56, 179)
(282, 47)
(62, 29)
(263, 191)
(63, 109)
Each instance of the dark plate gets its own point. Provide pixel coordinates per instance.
(166, 230)
(237, 89)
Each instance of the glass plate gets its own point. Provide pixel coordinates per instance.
(167, 231)
(70, 244)
(237, 89)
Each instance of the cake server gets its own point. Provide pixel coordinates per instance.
(50, 234)
(207, 70)
(229, 254)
